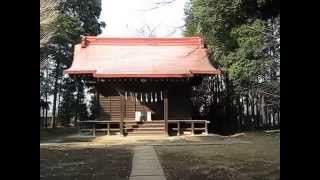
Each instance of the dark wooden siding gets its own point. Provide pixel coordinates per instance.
(179, 104)
(109, 99)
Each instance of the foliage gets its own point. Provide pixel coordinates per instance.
(48, 14)
(238, 36)
(76, 18)
(243, 39)
(94, 107)
(68, 104)
(73, 101)
(81, 104)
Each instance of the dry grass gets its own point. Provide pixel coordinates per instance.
(85, 163)
(56, 133)
(259, 159)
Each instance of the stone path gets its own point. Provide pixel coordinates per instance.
(145, 164)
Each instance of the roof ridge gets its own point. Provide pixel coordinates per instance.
(141, 40)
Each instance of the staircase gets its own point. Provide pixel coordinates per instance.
(144, 128)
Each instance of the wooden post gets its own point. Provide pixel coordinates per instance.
(178, 128)
(206, 127)
(93, 129)
(108, 130)
(121, 114)
(165, 103)
(279, 118)
(98, 99)
(192, 128)
(79, 128)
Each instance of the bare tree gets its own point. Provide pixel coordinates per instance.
(158, 4)
(147, 31)
(48, 14)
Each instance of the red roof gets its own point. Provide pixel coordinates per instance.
(141, 57)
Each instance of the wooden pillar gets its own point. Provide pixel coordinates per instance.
(192, 128)
(93, 129)
(98, 100)
(79, 128)
(178, 128)
(108, 130)
(165, 103)
(206, 127)
(121, 114)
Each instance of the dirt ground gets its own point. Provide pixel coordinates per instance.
(259, 158)
(85, 163)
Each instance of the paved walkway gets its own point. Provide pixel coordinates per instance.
(145, 164)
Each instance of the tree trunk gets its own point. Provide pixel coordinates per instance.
(263, 112)
(59, 97)
(43, 119)
(256, 112)
(55, 92)
(229, 102)
(77, 113)
(238, 112)
(241, 112)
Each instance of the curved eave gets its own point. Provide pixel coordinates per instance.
(94, 74)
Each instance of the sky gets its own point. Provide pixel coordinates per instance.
(126, 18)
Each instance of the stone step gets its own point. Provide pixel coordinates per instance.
(146, 132)
(144, 122)
(145, 128)
(144, 125)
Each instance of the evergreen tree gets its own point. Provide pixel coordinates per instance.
(243, 39)
(75, 18)
(68, 104)
(94, 107)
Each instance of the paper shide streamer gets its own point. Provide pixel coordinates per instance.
(147, 97)
(155, 98)
(151, 97)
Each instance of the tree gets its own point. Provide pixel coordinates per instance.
(68, 104)
(76, 18)
(81, 110)
(243, 39)
(48, 14)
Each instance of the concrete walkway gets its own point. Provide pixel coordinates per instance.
(145, 164)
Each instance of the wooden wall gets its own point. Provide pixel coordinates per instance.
(179, 105)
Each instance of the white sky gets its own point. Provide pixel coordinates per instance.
(124, 18)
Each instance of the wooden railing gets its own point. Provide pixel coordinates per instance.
(192, 123)
(91, 126)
